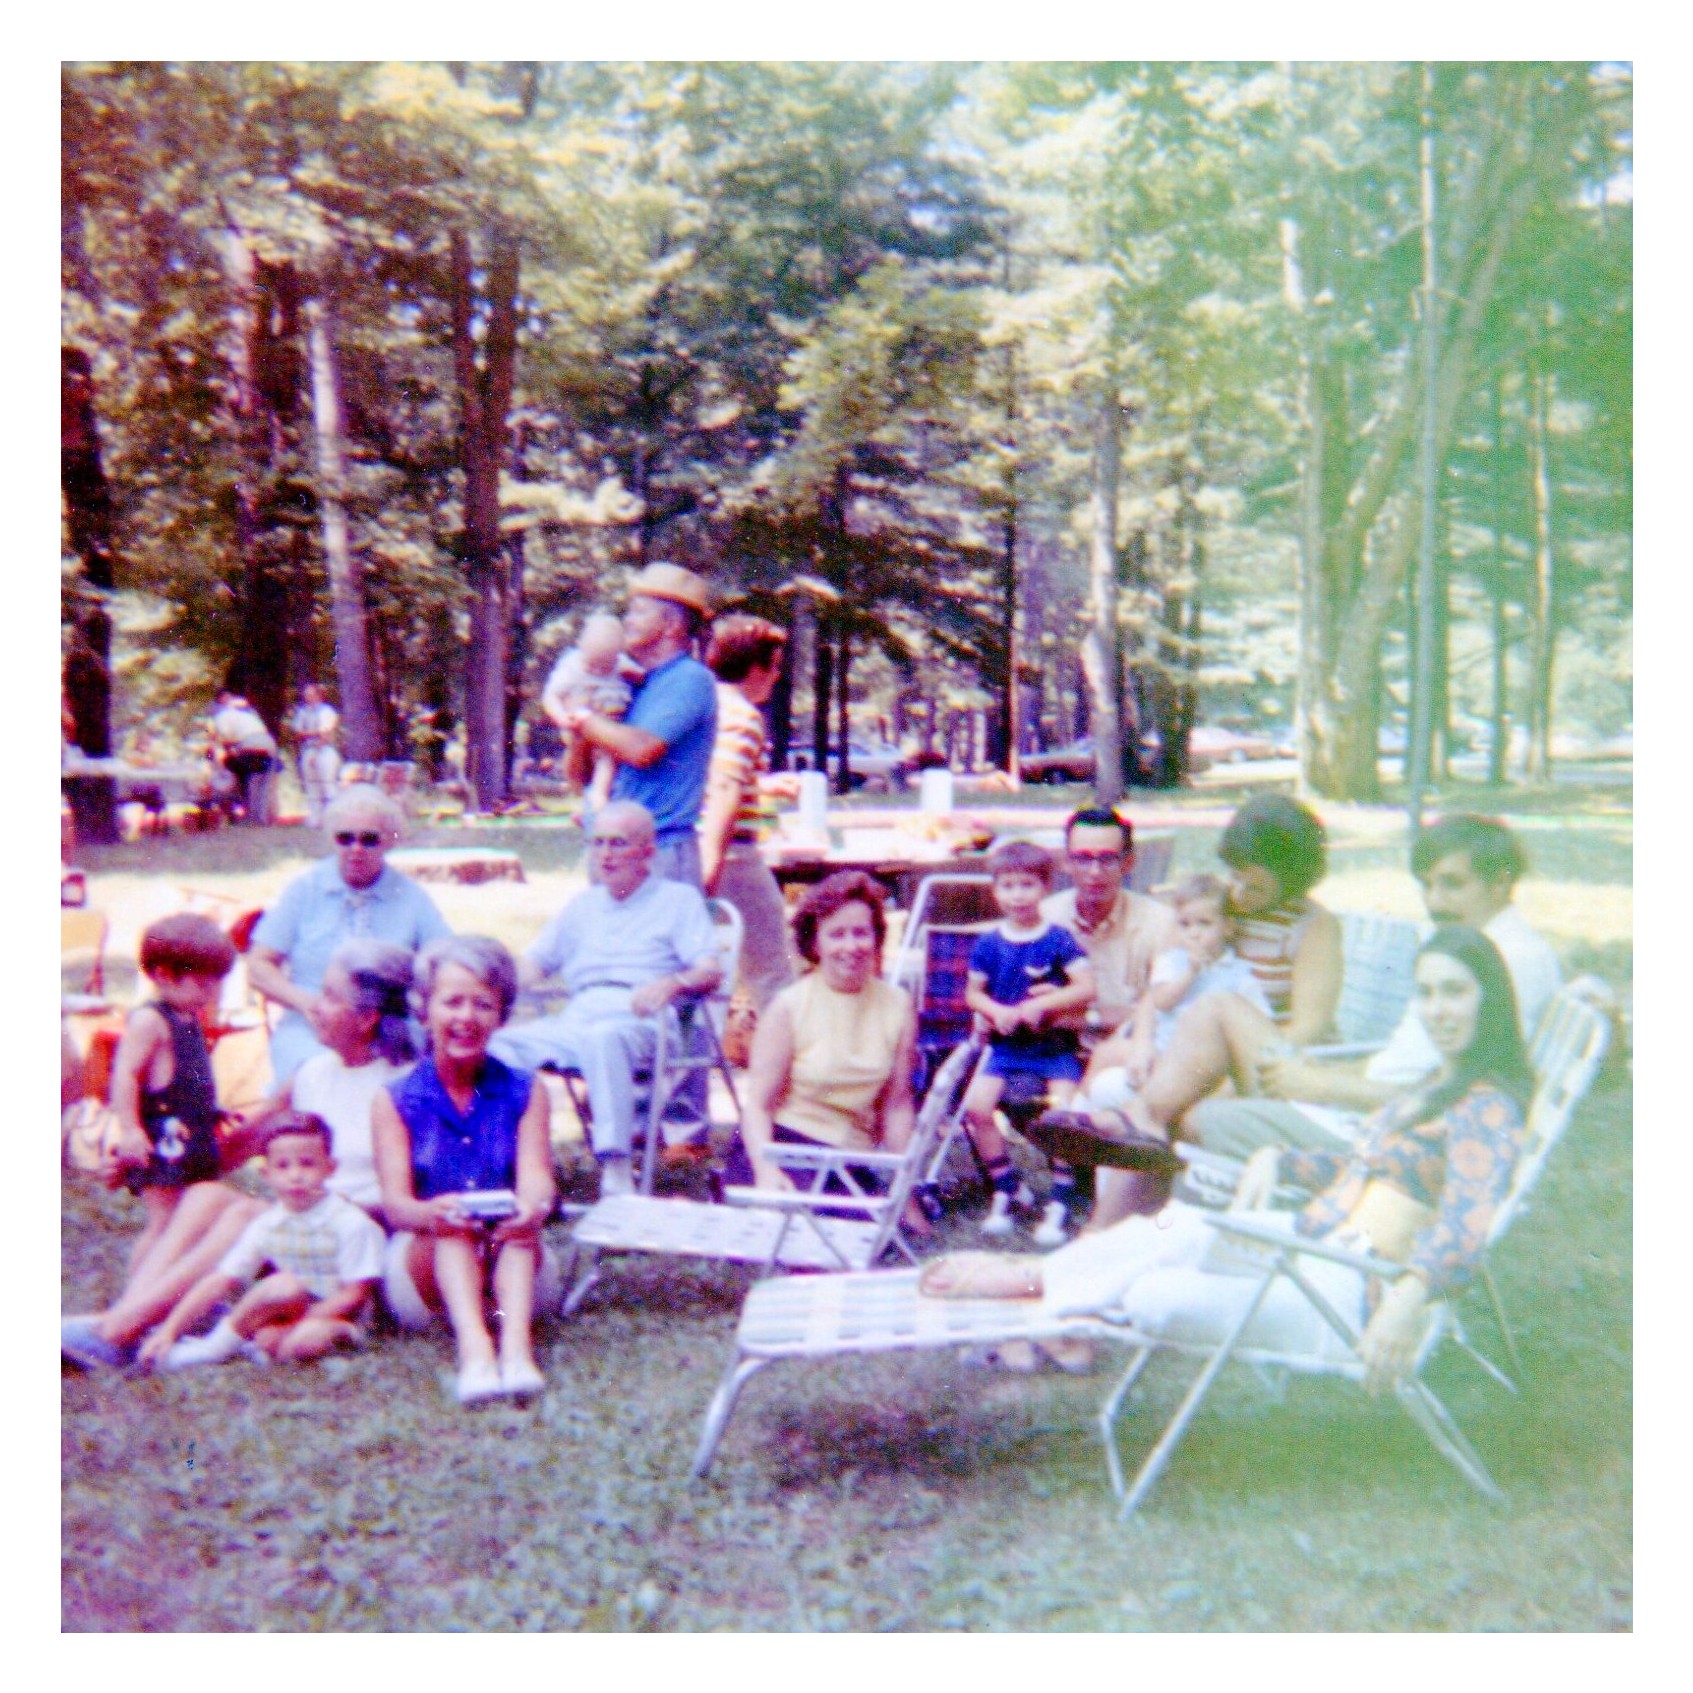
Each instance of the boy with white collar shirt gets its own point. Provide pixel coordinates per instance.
(325, 1258)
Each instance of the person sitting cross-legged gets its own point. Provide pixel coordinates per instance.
(626, 948)
(324, 1256)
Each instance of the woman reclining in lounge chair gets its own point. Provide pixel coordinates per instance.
(1421, 1188)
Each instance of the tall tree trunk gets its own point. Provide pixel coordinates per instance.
(1544, 629)
(262, 353)
(1356, 550)
(843, 717)
(485, 388)
(360, 718)
(1496, 591)
(1099, 644)
(822, 687)
(88, 525)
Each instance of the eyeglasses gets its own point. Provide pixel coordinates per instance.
(361, 837)
(1096, 860)
(610, 843)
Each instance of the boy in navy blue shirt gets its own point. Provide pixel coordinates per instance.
(1025, 973)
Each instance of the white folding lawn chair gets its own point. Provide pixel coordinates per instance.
(827, 1316)
(848, 1219)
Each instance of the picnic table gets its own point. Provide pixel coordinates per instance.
(900, 861)
(469, 865)
(159, 783)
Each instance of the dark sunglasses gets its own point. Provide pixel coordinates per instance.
(364, 837)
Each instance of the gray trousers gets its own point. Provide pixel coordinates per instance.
(1239, 1127)
(767, 963)
(597, 1034)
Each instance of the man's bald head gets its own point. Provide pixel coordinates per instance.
(626, 817)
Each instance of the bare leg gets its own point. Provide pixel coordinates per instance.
(278, 1300)
(159, 1203)
(514, 1298)
(979, 1105)
(1126, 1193)
(458, 1277)
(204, 1227)
(311, 1338)
(982, 1275)
(1218, 1036)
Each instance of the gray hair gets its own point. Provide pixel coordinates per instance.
(380, 976)
(484, 957)
(364, 799)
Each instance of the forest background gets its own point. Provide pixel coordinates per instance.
(1054, 397)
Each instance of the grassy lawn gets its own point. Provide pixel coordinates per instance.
(883, 1493)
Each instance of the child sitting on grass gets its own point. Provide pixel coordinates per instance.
(325, 1258)
(1024, 974)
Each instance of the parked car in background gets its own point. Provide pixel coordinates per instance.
(1072, 762)
(1218, 745)
(870, 763)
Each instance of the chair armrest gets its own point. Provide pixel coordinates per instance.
(1245, 1226)
(777, 1199)
(829, 1157)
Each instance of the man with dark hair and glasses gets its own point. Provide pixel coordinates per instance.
(625, 948)
(1121, 931)
(355, 891)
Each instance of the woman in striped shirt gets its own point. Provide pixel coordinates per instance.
(745, 655)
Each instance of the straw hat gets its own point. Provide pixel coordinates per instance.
(661, 581)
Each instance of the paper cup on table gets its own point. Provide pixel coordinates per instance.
(936, 793)
(813, 803)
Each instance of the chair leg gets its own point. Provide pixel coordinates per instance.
(1432, 1417)
(721, 1408)
(1168, 1441)
(1108, 1417)
(1501, 1319)
(587, 1274)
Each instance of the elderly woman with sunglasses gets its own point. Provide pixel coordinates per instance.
(354, 892)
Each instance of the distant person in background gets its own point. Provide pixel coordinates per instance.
(354, 892)
(745, 655)
(663, 747)
(589, 677)
(248, 751)
(315, 723)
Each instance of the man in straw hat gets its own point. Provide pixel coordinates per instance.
(663, 744)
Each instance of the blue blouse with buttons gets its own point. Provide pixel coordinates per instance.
(454, 1152)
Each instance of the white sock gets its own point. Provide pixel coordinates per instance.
(615, 1178)
(222, 1344)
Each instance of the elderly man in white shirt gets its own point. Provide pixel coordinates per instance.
(625, 948)
(1469, 867)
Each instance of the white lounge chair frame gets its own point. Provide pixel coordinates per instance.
(780, 1230)
(825, 1316)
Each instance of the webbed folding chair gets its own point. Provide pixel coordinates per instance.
(828, 1316)
(849, 1218)
(1379, 960)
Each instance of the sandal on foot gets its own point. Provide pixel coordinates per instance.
(1074, 1138)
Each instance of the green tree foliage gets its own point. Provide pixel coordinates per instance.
(999, 357)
